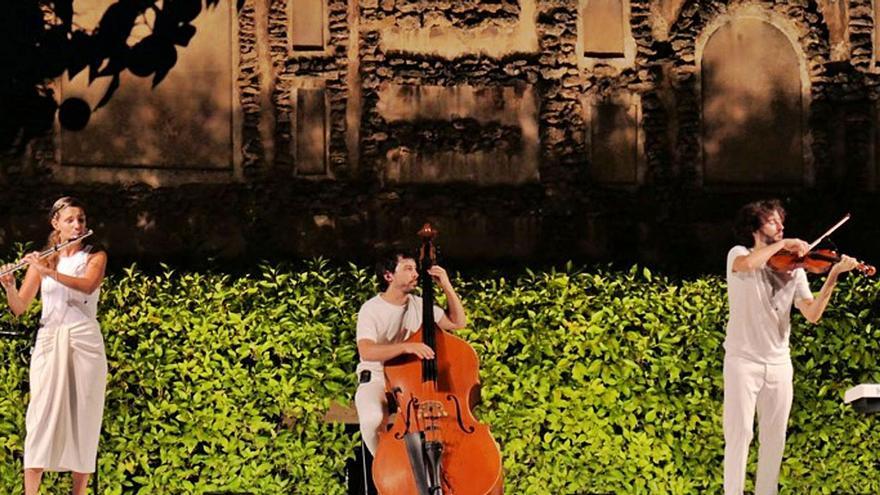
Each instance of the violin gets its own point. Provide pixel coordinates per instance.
(435, 445)
(816, 260)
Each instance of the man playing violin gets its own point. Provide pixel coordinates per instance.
(384, 322)
(757, 364)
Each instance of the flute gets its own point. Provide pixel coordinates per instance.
(52, 250)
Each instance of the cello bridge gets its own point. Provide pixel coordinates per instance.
(432, 410)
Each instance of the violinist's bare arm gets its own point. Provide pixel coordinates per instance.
(455, 317)
(812, 309)
(759, 256)
(20, 298)
(369, 350)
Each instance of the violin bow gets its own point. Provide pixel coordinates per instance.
(832, 229)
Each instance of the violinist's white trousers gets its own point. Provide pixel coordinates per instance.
(372, 407)
(749, 385)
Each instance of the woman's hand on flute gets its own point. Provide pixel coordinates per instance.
(8, 280)
(33, 259)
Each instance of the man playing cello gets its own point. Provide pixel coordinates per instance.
(384, 322)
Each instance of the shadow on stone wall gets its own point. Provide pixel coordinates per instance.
(41, 41)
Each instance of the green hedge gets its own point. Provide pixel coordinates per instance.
(593, 382)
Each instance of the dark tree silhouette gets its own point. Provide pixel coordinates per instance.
(39, 42)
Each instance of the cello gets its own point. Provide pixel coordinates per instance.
(435, 446)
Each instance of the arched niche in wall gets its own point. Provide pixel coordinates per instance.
(604, 33)
(753, 94)
(308, 25)
(614, 140)
(602, 22)
(311, 130)
(873, 169)
(875, 35)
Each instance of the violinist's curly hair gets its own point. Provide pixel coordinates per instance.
(751, 216)
(387, 262)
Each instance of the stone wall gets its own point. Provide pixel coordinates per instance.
(492, 119)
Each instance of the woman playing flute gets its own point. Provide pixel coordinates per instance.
(68, 367)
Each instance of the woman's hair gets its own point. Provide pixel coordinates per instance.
(751, 216)
(55, 236)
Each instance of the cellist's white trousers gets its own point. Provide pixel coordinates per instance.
(748, 386)
(372, 407)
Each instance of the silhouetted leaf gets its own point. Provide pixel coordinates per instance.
(166, 57)
(184, 34)
(53, 51)
(64, 12)
(117, 22)
(115, 65)
(79, 54)
(182, 11)
(143, 57)
(160, 75)
(114, 85)
(95, 65)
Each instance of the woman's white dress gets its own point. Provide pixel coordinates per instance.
(67, 377)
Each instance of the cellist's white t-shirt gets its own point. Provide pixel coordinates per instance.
(760, 310)
(386, 323)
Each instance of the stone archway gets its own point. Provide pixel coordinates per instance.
(799, 36)
(752, 107)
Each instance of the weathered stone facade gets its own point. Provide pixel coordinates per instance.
(515, 131)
